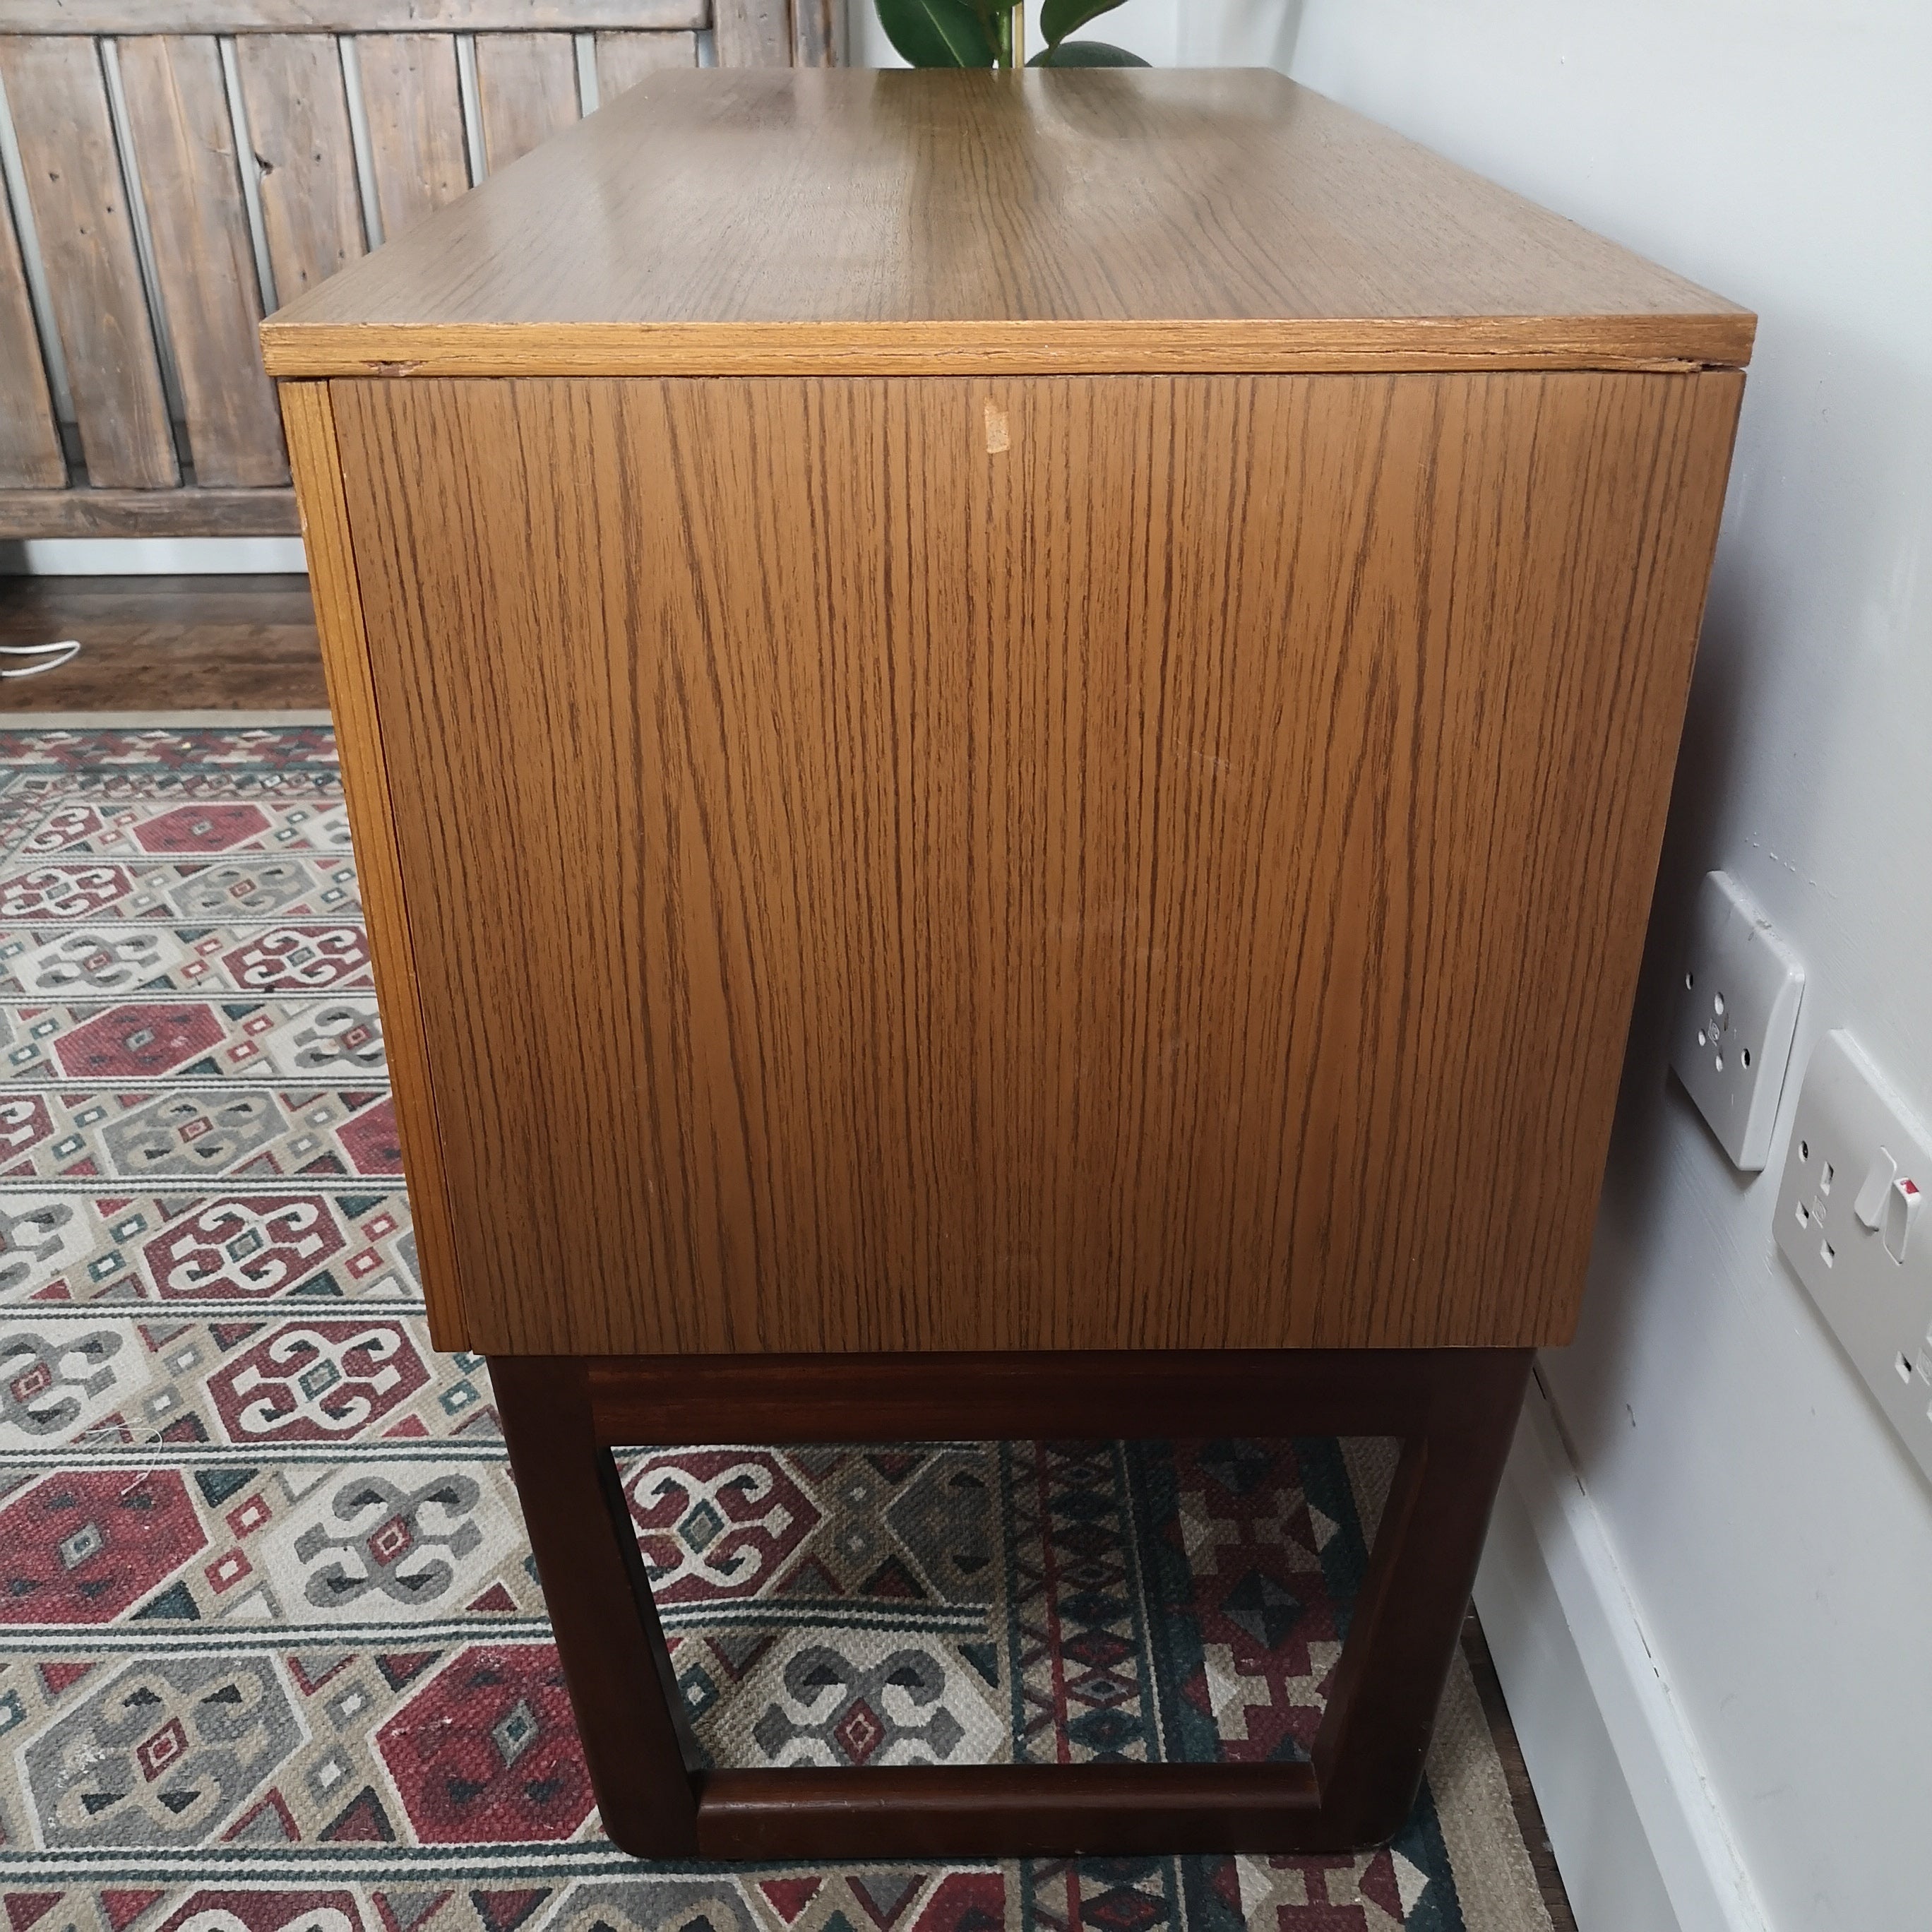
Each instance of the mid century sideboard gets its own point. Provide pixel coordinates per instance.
(1008, 736)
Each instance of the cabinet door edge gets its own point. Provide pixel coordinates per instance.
(309, 417)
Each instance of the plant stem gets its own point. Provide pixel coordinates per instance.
(1006, 36)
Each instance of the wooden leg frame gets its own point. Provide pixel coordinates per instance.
(1454, 1411)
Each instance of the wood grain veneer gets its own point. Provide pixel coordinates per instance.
(1035, 223)
(1085, 863)
(309, 420)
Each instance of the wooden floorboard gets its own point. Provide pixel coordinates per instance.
(165, 643)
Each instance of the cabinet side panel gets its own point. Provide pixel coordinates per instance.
(309, 422)
(1095, 862)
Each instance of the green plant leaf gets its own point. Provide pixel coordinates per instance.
(1087, 53)
(936, 33)
(1059, 18)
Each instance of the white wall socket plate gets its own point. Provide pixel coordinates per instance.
(1737, 1011)
(1849, 1221)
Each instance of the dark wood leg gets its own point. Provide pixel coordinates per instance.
(1369, 1752)
(636, 1737)
(1454, 1410)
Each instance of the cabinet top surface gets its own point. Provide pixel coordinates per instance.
(850, 221)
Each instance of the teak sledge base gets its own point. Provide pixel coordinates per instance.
(1453, 1409)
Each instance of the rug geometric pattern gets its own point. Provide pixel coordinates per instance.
(273, 1656)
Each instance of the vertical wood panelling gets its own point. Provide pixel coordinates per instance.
(303, 168)
(625, 59)
(526, 91)
(298, 121)
(30, 447)
(413, 102)
(818, 32)
(1072, 848)
(754, 33)
(345, 16)
(59, 104)
(185, 143)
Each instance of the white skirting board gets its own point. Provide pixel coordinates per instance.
(1636, 1831)
(151, 557)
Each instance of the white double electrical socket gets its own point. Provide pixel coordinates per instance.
(1849, 1220)
(1737, 1012)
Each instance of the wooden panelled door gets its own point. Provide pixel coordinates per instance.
(1083, 862)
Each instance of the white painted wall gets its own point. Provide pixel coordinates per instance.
(1774, 1542)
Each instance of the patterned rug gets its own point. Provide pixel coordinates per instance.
(274, 1656)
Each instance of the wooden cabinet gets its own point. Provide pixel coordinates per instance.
(1008, 714)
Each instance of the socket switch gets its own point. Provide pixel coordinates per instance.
(1737, 1011)
(1848, 1220)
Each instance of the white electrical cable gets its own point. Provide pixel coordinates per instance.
(69, 650)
